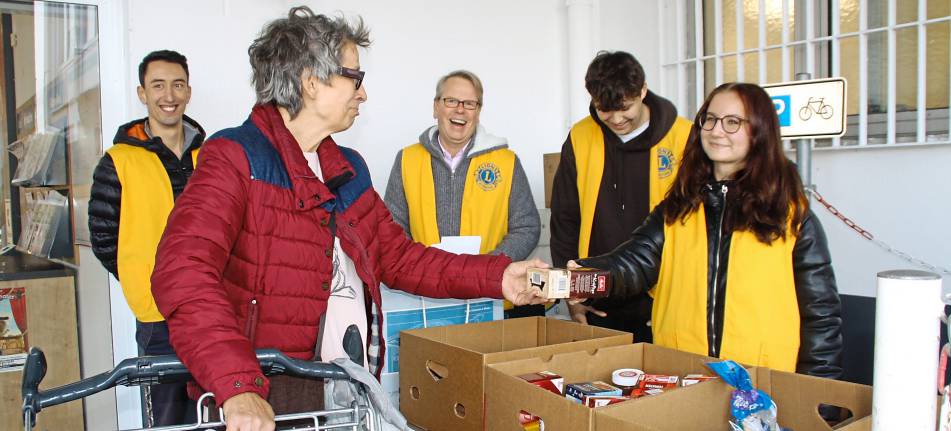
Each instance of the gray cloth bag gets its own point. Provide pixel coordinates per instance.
(339, 394)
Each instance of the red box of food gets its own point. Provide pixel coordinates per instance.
(658, 381)
(546, 380)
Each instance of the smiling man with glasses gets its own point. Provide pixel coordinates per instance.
(460, 180)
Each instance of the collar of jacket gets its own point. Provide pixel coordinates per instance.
(484, 142)
(308, 189)
(133, 133)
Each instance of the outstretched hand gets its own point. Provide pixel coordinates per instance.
(515, 287)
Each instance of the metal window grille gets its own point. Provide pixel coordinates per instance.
(705, 39)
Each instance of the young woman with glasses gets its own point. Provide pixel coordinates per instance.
(736, 262)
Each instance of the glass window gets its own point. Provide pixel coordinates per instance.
(787, 17)
(51, 123)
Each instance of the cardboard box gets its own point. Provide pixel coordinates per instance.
(442, 369)
(506, 394)
(705, 406)
(550, 164)
(863, 424)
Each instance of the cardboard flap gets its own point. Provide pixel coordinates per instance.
(434, 372)
(556, 331)
(798, 397)
(701, 407)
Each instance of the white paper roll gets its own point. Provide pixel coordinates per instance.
(907, 330)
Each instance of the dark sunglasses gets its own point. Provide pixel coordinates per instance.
(354, 74)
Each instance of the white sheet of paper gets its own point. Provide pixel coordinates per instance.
(460, 244)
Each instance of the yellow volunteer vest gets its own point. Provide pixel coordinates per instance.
(485, 200)
(761, 314)
(147, 200)
(587, 142)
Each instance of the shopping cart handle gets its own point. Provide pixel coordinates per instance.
(148, 370)
(274, 362)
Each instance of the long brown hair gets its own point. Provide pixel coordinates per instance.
(768, 190)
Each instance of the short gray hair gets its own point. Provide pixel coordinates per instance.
(304, 42)
(464, 74)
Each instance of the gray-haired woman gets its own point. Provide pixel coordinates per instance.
(280, 241)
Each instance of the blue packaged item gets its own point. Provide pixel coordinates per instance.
(751, 408)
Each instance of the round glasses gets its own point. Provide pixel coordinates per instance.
(452, 102)
(729, 123)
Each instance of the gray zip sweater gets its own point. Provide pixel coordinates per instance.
(523, 223)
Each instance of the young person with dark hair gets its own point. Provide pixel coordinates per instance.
(736, 262)
(616, 165)
(134, 187)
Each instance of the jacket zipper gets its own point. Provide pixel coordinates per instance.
(716, 275)
(452, 198)
(251, 325)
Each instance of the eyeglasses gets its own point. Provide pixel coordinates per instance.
(451, 102)
(730, 123)
(354, 74)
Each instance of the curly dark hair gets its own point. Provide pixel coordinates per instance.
(769, 198)
(613, 77)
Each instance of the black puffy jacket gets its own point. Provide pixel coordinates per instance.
(105, 197)
(635, 265)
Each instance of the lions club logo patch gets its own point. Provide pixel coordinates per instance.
(665, 162)
(488, 176)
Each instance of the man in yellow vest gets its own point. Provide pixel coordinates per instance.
(134, 187)
(460, 180)
(616, 165)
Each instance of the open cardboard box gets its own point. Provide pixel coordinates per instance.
(506, 394)
(442, 368)
(705, 407)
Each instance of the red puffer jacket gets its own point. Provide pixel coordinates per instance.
(246, 259)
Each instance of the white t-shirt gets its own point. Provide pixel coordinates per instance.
(347, 303)
(634, 133)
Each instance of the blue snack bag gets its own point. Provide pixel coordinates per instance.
(751, 408)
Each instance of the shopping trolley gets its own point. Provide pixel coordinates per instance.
(151, 370)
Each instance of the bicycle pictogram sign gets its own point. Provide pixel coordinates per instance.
(815, 105)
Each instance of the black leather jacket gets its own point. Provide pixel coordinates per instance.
(635, 265)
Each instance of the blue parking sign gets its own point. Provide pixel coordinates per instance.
(782, 109)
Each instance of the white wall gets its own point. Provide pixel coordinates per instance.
(214, 35)
(900, 195)
(632, 26)
(516, 48)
